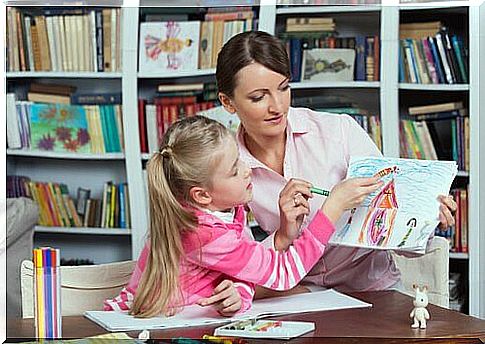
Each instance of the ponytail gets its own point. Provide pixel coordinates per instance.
(158, 288)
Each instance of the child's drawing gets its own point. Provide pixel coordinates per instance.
(379, 221)
(404, 212)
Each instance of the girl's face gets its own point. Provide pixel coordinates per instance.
(231, 181)
(261, 99)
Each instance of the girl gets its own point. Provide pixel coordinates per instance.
(280, 142)
(198, 243)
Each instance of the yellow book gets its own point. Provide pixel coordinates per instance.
(55, 205)
(62, 206)
(35, 196)
(112, 206)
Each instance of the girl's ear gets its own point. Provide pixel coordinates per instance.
(200, 195)
(226, 102)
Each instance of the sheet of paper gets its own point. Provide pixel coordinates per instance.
(199, 316)
(404, 212)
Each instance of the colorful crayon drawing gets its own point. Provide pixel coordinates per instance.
(379, 222)
(404, 211)
(169, 46)
(58, 127)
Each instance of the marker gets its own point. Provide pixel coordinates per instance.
(319, 191)
(215, 339)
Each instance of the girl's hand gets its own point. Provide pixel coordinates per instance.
(349, 194)
(226, 299)
(293, 204)
(447, 209)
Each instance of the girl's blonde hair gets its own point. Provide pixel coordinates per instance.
(186, 159)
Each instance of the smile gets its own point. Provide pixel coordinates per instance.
(274, 120)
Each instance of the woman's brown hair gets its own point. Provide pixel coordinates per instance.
(244, 49)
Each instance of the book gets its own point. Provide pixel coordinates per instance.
(101, 99)
(57, 89)
(48, 98)
(442, 107)
(328, 65)
(180, 87)
(195, 315)
(169, 46)
(57, 127)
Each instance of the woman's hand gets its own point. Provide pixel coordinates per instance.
(447, 209)
(349, 194)
(293, 204)
(226, 299)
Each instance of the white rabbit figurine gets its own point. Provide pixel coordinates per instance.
(420, 313)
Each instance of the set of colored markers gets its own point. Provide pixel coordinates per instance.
(47, 291)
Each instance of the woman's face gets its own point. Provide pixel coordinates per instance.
(261, 99)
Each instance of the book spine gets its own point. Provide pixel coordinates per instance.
(99, 40)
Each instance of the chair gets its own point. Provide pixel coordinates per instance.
(82, 287)
(431, 269)
(22, 215)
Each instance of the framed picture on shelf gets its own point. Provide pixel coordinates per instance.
(328, 65)
(169, 46)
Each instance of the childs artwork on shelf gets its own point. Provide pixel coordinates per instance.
(169, 46)
(60, 128)
(403, 213)
(328, 65)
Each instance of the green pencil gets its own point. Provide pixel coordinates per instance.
(320, 191)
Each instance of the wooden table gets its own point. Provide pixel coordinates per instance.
(386, 322)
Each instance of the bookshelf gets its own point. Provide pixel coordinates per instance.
(382, 97)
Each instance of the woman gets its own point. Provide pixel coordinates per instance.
(280, 142)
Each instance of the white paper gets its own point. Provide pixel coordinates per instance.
(195, 315)
(403, 213)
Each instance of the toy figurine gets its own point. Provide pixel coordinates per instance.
(419, 313)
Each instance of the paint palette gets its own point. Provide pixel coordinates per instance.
(265, 329)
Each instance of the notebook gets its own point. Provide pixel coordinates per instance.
(196, 315)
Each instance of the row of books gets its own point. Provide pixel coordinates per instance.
(56, 207)
(437, 140)
(64, 128)
(156, 118)
(457, 235)
(63, 39)
(113, 211)
(431, 55)
(172, 102)
(437, 131)
(369, 122)
(364, 63)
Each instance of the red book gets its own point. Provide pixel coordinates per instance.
(142, 128)
(160, 123)
(376, 57)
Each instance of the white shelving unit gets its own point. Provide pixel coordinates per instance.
(62, 155)
(386, 90)
(83, 230)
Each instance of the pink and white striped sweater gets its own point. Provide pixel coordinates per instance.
(219, 250)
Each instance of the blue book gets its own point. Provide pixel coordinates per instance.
(122, 214)
(402, 69)
(414, 61)
(459, 58)
(115, 138)
(360, 58)
(295, 59)
(105, 128)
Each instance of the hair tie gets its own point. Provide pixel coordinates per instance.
(166, 151)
